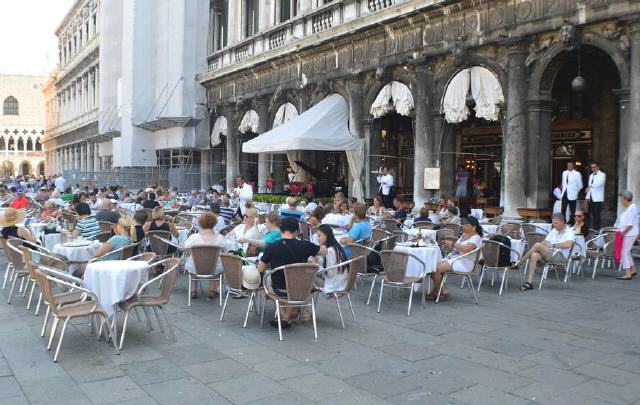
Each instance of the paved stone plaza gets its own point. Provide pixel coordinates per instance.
(557, 346)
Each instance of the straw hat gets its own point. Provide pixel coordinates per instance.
(250, 277)
(11, 217)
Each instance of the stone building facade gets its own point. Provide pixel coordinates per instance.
(22, 119)
(266, 53)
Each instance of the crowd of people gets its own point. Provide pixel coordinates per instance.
(232, 222)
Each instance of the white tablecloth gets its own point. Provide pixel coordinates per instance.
(490, 228)
(425, 233)
(542, 225)
(114, 281)
(50, 240)
(36, 228)
(183, 233)
(429, 255)
(518, 246)
(476, 212)
(435, 218)
(77, 255)
(582, 249)
(130, 206)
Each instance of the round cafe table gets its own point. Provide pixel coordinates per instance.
(518, 246)
(490, 229)
(114, 281)
(430, 255)
(77, 254)
(50, 240)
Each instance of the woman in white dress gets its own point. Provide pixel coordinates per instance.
(248, 229)
(470, 240)
(628, 224)
(335, 279)
(205, 237)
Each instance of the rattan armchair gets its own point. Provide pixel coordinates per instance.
(491, 263)
(356, 266)
(106, 226)
(600, 254)
(144, 299)
(102, 237)
(533, 228)
(232, 269)
(18, 269)
(466, 276)
(358, 250)
(395, 274)
(300, 283)
(124, 253)
(564, 264)
(205, 260)
(157, 241)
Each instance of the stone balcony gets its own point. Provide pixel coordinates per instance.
(307, 29)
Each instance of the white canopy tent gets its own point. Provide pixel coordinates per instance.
(323, 127)
(219, 128)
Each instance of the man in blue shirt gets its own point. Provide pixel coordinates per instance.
(292, 210)
(360, 228)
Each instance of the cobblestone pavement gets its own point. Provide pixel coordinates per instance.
(555, 346)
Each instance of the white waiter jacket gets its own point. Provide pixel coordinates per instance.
(386, 182)
(571, 184)
(596, 184)
(245, 194)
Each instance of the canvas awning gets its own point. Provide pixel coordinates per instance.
(323, 127)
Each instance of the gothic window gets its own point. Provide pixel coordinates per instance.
(219, 24)
(20, 144)
(10, 106)
(38, 144)
(29, 144)
(3, 144)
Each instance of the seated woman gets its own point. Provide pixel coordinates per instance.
(51, 211)
(124, 234)
(9, 223)
(205, 237)
(140, 219)
(316, 216)
(335, 279)
(471, 239)
(248, 229)
(87, 227)
(424, 216)
(377, 209)
(161, 222)
(272, 222)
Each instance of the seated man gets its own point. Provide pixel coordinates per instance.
(560, 239)
(106, 212)
(287, 250)
(291, 210)
(400, 213)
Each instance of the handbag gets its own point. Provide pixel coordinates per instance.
(617, 247)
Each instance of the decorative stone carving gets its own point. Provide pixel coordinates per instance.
(569, 36)
(459, 54)
(536, 50)
(616, 33)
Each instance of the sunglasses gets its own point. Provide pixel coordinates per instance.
(579, 216)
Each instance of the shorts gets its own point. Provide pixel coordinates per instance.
(558, 258)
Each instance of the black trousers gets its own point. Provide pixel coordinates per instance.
(387, 200)
(572, 208)
(595, 209)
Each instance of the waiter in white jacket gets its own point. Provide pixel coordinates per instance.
(571, 186)
(595, 194)
(386, 184)
(244, 193)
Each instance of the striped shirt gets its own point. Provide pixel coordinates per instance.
(88, 227)
(228, 213)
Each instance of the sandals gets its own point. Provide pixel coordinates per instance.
(194, 295)
(625, 277)
(283, 324)
(526, 287)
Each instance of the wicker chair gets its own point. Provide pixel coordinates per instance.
(510, 229)
(385, 238)
(124, 253)
(534, 237)
(424, 225)
(395, 275)
(71, 218)
(299, 280)
(455, 228)
(358, 250)
(18, 269)
(533, 228)
(356, 266)
(495, 220)
(105, 226)
(305, 230)
(166, 280)
(43, 258)
(157, 242)
(491, 263)
(600, 254)
(391, 225)
(102, 237)
(466, 276)
(564, 265)
(143, 257)
(232, 269)
(67, 312)
(205, 260)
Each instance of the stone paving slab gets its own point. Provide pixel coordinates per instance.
(554, 346)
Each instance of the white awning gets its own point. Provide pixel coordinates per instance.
(219, 128)
(485, 89)
(394, 96)
(249, 122)
(286, 112)
(322, 127)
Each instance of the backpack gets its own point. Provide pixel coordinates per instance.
(504, 255)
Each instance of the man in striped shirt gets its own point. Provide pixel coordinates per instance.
(87, 227)
(226, 212)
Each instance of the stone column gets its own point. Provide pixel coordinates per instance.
(514, 139)
(356, 117)
(83, 157)
(633, 170)
(232, 145)
(447, 140)
(96, 157)
(205, 169)
(539, 151)
(262, 109)
(372, 158)
(623, 141)
(424, 134)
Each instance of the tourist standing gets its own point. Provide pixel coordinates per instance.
(628, 224)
